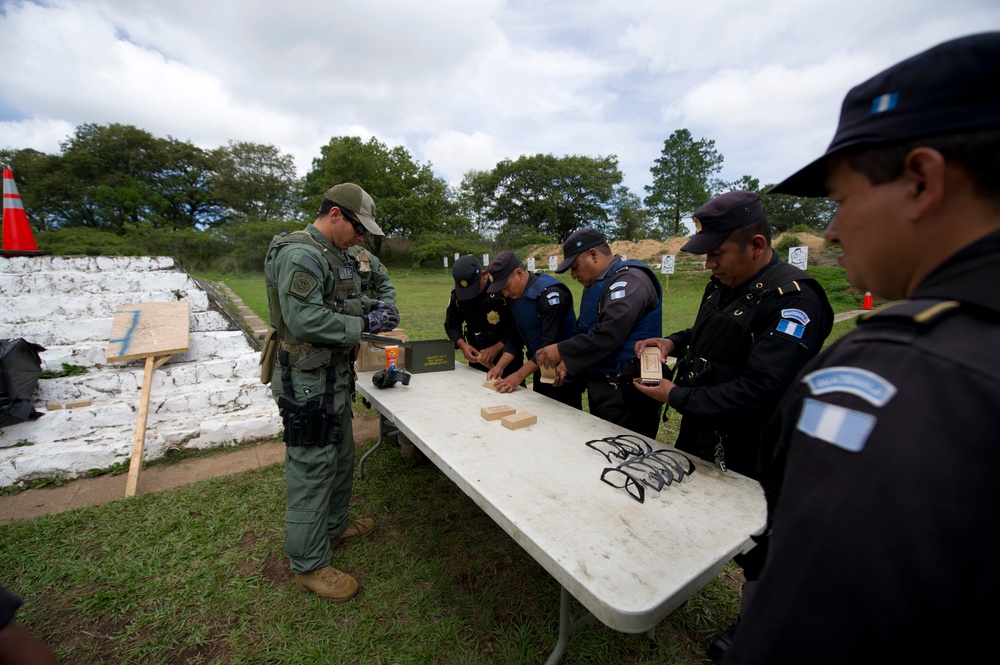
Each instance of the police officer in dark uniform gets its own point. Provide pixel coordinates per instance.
(477, 321)
(760, 321)
(884, 529)
(621, 305)
(543, 314)
(319, 317)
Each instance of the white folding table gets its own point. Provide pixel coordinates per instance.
(628, 563)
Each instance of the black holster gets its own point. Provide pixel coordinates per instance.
(313, 422)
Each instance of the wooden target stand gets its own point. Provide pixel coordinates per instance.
(154, 331)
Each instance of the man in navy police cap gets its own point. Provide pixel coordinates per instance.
(883, 490)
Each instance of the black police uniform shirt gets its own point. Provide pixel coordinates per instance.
(788, 330)
(481, 321)
(619, 315)
(885, 531)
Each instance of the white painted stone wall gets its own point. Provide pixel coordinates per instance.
(210, 396)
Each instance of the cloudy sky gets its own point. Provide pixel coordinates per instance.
(462, 84)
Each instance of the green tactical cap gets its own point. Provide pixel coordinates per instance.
(357, 201)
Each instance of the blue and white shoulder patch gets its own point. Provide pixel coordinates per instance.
(618, 285)
(793, 322)
(615, 295)
(862, 383)
(553, 297)
(844, 428)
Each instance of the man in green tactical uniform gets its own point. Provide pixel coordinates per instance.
(319, 316)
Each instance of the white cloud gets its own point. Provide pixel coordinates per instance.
(462, 83)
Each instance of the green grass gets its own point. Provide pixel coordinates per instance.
(197, 574)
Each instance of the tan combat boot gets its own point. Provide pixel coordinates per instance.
(329, 583)
(356, 529)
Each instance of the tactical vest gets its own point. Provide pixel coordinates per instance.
(525, 311)
(343, 299)
(721, 335)
(648, 326)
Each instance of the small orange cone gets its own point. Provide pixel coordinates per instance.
(867, 302)
(17, 238)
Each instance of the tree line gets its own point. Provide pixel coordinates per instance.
(115, 187)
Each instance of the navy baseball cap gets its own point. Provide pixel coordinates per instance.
(952, 88)
(577, 243)
(500, 268)
(466, 273)
(720, 217)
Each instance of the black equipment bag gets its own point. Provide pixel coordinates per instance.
(20, 367)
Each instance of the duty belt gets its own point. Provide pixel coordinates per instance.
(297, 352)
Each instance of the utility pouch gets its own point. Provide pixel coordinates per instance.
(268, 354)
(308, 423)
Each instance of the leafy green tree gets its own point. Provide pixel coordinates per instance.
(255, 182)
(184, 186)
(111, 170)
(632, 221)
(551, 195)
(785, 212)
(682, 178)
(409, 199)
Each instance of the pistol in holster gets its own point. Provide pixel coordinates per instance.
(314, 422)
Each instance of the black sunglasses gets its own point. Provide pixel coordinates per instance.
(359, 228)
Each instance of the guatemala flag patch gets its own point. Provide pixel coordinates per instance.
(844, 428)
(791, 328)
(553, 298)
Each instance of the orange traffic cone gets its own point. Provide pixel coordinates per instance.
(867, 302)
(17, 238)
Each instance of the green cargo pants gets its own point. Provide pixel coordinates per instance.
(319, 479)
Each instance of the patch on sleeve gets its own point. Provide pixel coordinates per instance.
(790, 328)
(858, 382)
(796, 315)
(553, 297)
(618, 285)
(310, 264)
(302, 284)
(844, 428)
(383, 270)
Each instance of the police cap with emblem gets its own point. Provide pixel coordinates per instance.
(466, 273)
(952, 88)
(577, 243)
(720, 217)
(502, 267)
(357, 202)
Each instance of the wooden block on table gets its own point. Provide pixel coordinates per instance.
(53, 406)
(490, 384)
(496, 412)
(519, 420)
(651, 367)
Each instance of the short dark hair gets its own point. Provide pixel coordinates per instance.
(326, 206)
(978, 152)
(743, 235)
